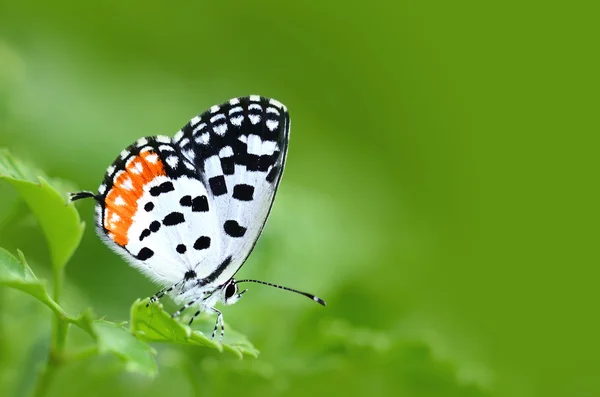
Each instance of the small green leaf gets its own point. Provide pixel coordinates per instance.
(15, 268)
(85, 321)
(153, 324)
(114, 339)
(16, 273)
(59, 221)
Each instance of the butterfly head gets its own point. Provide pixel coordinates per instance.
(229, 292)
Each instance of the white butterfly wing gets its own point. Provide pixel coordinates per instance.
(239, 149)
(154, 211)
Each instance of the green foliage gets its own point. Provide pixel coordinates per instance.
(16, 273)
(153, 324)
(63, 230)
(115, 339)
(59, 221)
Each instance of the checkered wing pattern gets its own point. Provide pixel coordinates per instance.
(238, 149)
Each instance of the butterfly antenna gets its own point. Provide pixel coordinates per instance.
(81, 195)
(311, 296)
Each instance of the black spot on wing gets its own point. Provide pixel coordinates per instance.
(149, 207)
(272, 175)
(228, 165)
(186, 201)
(164, 187)
(145, 233)
(217, 185)
(174, 218)
(202, 243)
(181, 248)
(265, 161)
(251, 162)
(234, 229)
(243, 192)
(154, 226)
(145, 253)
(200, 204)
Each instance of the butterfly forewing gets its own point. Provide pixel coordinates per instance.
(238, 149)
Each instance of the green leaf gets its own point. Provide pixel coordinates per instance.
(16, 273)
(153, 324)
(85, 321)
(115, 339)
(111, 338)
(14, 268)
(59, 221)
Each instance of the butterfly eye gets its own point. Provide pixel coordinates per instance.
(230, 290)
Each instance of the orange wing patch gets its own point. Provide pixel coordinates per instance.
(128, 187)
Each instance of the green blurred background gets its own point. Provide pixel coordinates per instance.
(440, 190)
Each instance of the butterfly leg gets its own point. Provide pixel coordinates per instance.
(161, 293)
(222, 329)
(219, 320)
(190, 303)
(194, 316)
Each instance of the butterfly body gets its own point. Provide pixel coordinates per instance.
(187, 211)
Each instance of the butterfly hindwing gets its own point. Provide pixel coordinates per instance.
(154, 209)
(239, 150)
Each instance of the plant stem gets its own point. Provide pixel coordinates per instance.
(43, 381)
(59, 339)
(61, 327)
(58, 284)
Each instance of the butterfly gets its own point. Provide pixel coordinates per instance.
(187, 211)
